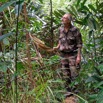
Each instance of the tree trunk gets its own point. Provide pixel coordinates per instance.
(30, 77)
(51, 25)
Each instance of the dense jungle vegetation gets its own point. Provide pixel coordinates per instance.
(32, 75)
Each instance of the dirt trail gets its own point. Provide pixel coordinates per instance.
(71, 99)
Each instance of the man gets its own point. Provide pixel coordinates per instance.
(70, 44)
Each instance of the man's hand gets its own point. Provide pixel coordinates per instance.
(78, 60)
(55, 48)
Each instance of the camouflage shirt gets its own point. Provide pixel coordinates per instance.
(71, 40)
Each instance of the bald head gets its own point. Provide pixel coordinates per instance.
(68, 16)
(66, 19)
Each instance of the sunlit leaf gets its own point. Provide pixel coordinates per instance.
(41, 1)
(83, 3)
(92, 7)
(3, 1)
(78, 3)
(74, 10)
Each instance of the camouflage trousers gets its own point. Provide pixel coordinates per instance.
(69, 68)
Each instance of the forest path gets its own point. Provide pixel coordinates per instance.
(71, 99)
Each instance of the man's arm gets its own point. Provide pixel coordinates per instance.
(79, 45)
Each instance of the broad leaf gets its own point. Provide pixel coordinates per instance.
(6, 41)
(100, 97)
(99, 85)
(4, 66)
(6, 35)
(100, 67)
(6, 5)
(90, 79)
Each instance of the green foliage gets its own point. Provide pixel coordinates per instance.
(48, 82)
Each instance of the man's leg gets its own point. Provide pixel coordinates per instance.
(72, 66)
(66, 75)
(73, 74)
(74, 69)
